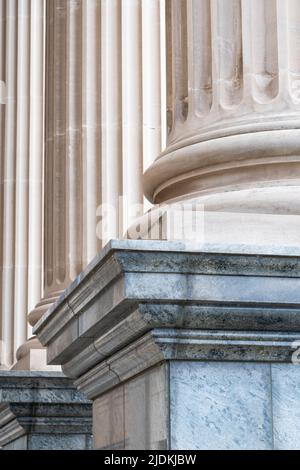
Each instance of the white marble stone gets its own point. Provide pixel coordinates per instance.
(220, 406)
(286, 406)
(43, 410)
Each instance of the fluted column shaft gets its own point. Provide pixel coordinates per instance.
(36, 166)
(104, 126)
(82, 120)
(22, 173)
(21, 164)
(226, 61)
(2, 132)
(91, 119)
(111, 113)
(233, 107)
(9, 168)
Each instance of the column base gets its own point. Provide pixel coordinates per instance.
(262, 216)
(31, 356)
(184, 346)
(43, 411)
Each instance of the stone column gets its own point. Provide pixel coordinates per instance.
(2, 130)
(111, 111)
(196, 345)
(29, 182)
(36, 168)
(132, 118)
(91, 121)
(22, 78)
(22, 173)
(30, 418)
(15, 167)
(98, 52)
(153, 55)
(233, 118)
(8, 184)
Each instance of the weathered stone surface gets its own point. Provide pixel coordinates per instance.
(95, 91)
(134, 415)
(43, 410)
(286, 406)
(220, 406)
(133, 287)
(216, 321)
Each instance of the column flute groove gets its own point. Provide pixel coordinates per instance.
(179, 49)
(57, 225)
(111, 117)
(199, 58)
(36, 162)
(22, 174)
(91, 131)
(151, 40)
(227, 53)
(2, 141)
(132, 108)
(9, 174)
(74, 161)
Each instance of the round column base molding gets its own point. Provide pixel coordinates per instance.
(24, 349)
(265, 216)
(36, 314)
(234, 162)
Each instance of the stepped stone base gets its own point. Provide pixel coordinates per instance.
(43, 411)
(184, 346)
(202, 405)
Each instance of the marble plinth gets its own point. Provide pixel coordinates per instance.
(43, 411)
(202, 405)
(184, 345)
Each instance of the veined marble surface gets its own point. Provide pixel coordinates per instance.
(188, 405)
(286, 406)
(234, 406)
(220, 406)
(43, 410)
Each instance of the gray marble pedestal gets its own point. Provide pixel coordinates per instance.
(184, 346)
(43, 411)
